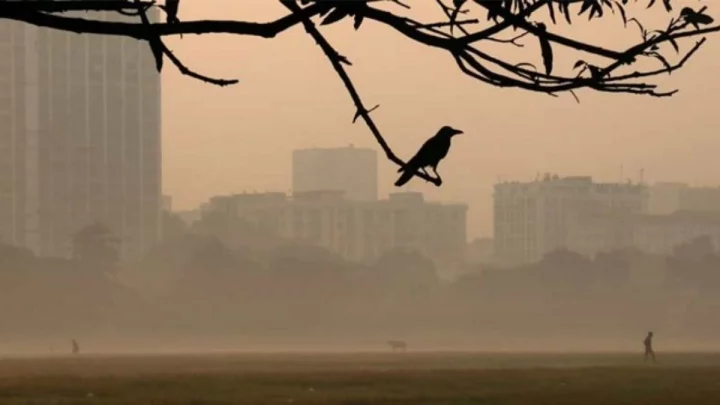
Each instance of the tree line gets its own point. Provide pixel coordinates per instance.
(209, 280)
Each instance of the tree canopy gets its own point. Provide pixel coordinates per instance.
(474, 33)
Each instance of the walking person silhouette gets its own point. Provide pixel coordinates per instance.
(649, 352)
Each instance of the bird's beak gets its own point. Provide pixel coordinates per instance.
(457, 132)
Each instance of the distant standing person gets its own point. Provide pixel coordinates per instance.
(649, 352)
(75, 347)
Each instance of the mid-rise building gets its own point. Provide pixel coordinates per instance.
(586, 217)
(350, 170)
(661, 234)
(356, 230)
(657, 234)
(534, 218)
(79, 138)
(666, 198)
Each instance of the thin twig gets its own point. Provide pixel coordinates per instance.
(479, 64)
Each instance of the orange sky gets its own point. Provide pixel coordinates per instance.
(223, 140)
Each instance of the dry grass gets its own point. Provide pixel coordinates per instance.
(377, 379)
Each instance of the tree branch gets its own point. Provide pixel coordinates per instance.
(472, 60)
(362, 111)
(27, 14)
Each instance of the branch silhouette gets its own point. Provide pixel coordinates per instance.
(337, 61)
(612, 69)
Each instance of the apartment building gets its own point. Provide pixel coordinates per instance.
(537, 217)
(356, 230)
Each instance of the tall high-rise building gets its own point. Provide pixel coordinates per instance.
(351, 170)
(79, 138)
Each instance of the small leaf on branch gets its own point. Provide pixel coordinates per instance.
(594, 6)
(551, 10)
(623, 15)
(546, 49)
(667, 5)
(358, 20)
(696, 18)
(662, 60)
(565, 10)
(336, 15)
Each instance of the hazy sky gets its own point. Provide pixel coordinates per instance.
(223, 140)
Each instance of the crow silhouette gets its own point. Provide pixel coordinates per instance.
(430, 154)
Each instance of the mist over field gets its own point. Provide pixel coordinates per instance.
(204, 294)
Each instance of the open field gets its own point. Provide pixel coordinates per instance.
(358, 379)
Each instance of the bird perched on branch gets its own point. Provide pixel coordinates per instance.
(430, 154)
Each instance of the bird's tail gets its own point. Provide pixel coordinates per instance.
(405, 177)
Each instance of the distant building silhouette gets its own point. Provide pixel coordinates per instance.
(189, 217)
(79, 137)
(667, 198)
(351, 170)
(664, 197)
(356, 230)
(480, 250)
(662, 233)
(167, 203)
(658, 234)
(534, 218)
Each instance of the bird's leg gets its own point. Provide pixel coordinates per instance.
(437, 175)
(435, 171)
(424, 171)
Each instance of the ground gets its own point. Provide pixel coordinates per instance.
(359, 379)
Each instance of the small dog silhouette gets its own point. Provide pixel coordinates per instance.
(397, 345)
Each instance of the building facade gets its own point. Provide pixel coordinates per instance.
(351, 170)
(79, 138)
(667, 198)
(356, 230)
(534, 218)
(664, 198)
(661, 234)
(656, 234)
